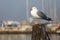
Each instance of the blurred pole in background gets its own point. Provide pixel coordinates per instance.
(55, 12)
(51, 10)
(27, 9)
(42, 5)
(42, 9)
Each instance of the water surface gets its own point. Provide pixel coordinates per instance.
(15, 37)
(24, 37)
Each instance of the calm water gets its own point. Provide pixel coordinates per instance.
(24, 37)
(54, 37)
(15, 37)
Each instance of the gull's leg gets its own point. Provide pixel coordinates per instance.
(36, 21)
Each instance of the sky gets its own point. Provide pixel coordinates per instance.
(16, 9)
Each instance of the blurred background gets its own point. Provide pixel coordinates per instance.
(15, 17)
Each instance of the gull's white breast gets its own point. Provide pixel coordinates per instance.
(34, 13)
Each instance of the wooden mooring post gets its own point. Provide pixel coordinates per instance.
(39, 32)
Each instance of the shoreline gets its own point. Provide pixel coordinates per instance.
(6, 32)
(15, 32)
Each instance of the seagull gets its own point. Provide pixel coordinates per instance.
(39, 14)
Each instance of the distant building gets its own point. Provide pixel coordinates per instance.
(26, 25)
(52, 27)
(16, 26)
(26, 22)
(11, 23)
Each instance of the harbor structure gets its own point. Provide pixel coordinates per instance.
(14, 26)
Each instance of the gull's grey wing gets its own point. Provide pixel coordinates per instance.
(41, 14)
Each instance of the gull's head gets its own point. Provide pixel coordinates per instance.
(34, 8)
